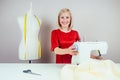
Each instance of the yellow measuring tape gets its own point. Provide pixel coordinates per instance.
(39, 43)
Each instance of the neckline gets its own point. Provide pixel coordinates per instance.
(64, 32)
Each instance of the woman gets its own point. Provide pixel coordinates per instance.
(62, 39)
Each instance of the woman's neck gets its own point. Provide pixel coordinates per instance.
(65, 30)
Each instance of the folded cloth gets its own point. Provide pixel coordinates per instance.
(92, 70)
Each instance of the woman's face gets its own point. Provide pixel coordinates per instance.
(65, 19)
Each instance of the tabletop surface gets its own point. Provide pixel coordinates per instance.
(14, 71)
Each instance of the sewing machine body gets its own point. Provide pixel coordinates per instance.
(84, 50)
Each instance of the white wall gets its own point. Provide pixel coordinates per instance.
(93, 19)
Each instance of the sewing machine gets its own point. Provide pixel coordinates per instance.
(84, 50)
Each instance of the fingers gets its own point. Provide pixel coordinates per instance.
(71, 48)
(73, 52)
(96, 57)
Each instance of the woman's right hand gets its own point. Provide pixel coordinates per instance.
(72, 51)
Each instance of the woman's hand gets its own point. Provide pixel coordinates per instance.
(72, 51)
(96, 57)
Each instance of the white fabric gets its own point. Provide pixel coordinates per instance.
(92, 70)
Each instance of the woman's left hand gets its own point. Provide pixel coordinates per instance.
(72, 50)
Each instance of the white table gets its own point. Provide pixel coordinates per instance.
(14, 71)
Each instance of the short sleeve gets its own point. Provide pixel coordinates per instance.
(54, 40)
(78, 37)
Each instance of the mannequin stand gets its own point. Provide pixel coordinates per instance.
(30, 61)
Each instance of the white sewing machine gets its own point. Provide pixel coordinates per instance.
(84, 50)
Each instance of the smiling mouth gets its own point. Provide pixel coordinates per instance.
(65, 23)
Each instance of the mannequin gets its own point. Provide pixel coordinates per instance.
(30, 47)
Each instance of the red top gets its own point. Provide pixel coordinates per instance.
(63, 40)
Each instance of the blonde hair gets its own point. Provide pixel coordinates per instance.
(63, 11)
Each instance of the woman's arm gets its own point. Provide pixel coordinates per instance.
(97, 57)
(69, 50)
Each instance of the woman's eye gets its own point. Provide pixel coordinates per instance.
(67, 17)
(62, 17)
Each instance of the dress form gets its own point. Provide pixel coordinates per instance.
(30, 47)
